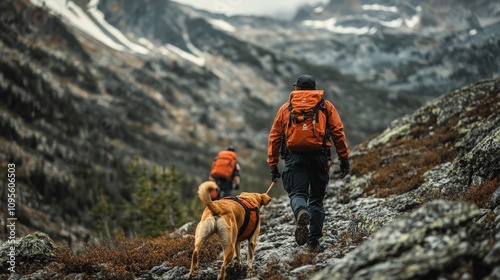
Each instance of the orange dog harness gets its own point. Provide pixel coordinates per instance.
(251, 218)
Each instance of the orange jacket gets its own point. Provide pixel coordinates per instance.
(280, 121)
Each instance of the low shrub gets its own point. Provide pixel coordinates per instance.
(480, 194)
(399, 165)
(126, 258)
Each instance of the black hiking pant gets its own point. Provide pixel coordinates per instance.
(305, 179)
(225, 186)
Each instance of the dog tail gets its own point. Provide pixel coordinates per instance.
(204, 192)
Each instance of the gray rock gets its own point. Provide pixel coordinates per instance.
(32, 248)
(420, 245)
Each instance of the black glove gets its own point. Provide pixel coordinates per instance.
(236, 186)
(345, 167)
(275, 174)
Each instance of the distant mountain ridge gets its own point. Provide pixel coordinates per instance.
(405, 46)
(417, 16)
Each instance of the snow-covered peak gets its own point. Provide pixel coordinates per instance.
(416, 16)
(91, 21)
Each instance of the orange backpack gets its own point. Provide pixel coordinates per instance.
(223, 165)
(307, 127)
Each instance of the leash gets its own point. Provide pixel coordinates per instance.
(270, 187)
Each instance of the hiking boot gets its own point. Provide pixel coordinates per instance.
(301, 230)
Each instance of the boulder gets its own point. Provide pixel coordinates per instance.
(32, 248)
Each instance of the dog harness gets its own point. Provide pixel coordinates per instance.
(251, 218)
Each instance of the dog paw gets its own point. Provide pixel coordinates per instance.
(251, 272)
(237, 265)
(193, 273)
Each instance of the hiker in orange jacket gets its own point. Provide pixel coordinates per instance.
(225, 171)
(306, 171)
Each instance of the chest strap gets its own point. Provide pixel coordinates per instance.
(251, 218)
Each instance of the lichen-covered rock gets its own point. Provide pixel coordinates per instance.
(32, 248)
(424, 244)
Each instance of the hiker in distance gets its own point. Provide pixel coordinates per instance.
(225, 171)
(302, 134)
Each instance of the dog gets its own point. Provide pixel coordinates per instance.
(226, 218)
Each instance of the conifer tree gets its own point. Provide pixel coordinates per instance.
(102, 214)
(155, 202)
(171, 186)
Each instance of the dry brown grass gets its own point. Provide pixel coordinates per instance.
(398, 166)
(491, 106)
(275, 270)
(481, 194)
(347, 239)
(124, 258)
(302, 259)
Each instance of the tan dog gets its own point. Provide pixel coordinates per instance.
(225, 218)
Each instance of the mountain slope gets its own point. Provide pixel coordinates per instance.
(455, 140)
(87, 86)
(82, 97)
(439, 218)
(444, 225)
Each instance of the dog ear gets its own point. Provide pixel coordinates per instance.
(265, 199)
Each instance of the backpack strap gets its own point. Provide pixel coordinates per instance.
(283, 149)
(249, 225)
(302, 117)
(325, 149)
(317, 108)
(320, 106)
(290, 116)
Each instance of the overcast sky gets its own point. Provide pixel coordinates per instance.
(276, 8)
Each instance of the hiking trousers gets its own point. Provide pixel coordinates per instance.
(305, 179)
(225, 186)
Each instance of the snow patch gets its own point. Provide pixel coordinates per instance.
(330, 25)
(319, 9)
(413, 21)
(393, 23)
(93, 23)
(222, 25)
(378, 7)
(185, 55)
(99, 16)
